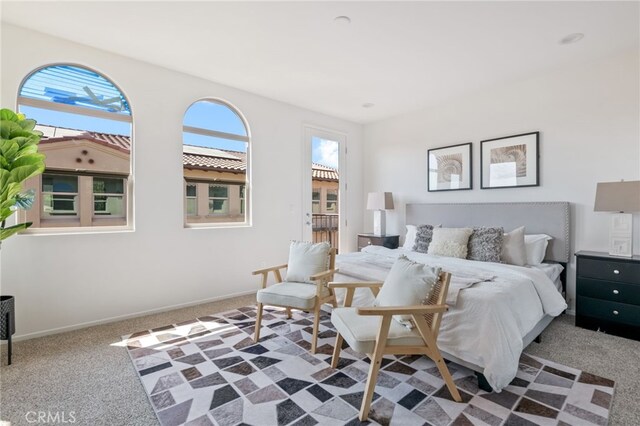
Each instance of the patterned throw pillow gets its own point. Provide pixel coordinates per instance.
(424, 234)
(485, 244)
(450, 242)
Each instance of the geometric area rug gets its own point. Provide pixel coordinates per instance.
(208, 371)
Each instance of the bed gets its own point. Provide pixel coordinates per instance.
(496, 310)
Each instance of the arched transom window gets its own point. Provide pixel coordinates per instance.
(215, 164)
(86, 124)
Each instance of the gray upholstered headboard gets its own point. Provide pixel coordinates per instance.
(551, 218)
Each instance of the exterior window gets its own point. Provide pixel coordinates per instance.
(86, 124)
(192, 199)
(214, 154)
(218, 199)
(315, 200)
(59, 195)
(108, 197)
(332, 201)
(242, 191)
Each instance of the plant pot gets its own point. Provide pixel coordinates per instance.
(7, 321)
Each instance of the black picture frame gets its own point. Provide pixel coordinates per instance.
(523, 169)
(458, 157)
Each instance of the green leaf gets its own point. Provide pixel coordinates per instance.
(4, 179)
(27, 124)
(9, 129)
(10, 149)
(7, 114)
(28, 160)
(7, 232)
(5, 214)
(22, 173)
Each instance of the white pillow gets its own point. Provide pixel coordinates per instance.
(410, 238)
(306, 259)
(513, 250)
(536, 247)
(408, 283)
(450, 242)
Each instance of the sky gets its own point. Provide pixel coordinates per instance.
(202, 114)
(325, 152)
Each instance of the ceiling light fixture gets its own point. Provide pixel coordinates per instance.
(342, 20)
(571, 38)
(368, 105)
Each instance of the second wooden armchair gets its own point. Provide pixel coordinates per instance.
(373, 331)
(307, 296)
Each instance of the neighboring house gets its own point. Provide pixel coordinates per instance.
(86, 182)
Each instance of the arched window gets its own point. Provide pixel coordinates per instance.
(86, 124)
(215, 164)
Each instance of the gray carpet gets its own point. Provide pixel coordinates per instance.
(81, 372)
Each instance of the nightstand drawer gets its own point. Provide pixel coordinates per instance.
(608, 311)
(609, 290)
(609, 270)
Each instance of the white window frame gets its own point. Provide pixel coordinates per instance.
(210, 198)
(336, 201)
(109, 194)
(246, 206)
(66, 215)
(191, 197)
(129, 188)
(315, 202)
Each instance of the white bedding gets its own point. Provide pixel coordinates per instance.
(486, 325)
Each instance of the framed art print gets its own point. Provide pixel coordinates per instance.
(511, 161)
(449, 168)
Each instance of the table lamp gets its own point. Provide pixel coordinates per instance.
(379, 202)
(623, 198)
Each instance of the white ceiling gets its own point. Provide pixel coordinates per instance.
(399, 56)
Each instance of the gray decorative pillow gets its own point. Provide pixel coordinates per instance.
(424, 234)
(485, 244)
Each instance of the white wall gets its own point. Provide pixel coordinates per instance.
(61, 281)
(588, 116)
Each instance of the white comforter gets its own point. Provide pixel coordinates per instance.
(489, 319)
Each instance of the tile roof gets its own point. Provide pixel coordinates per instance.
(193, 157)
(321, 172)
(216, 159)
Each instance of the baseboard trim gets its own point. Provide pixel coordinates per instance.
(58, 330)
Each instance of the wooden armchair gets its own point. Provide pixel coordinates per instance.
(297, 295)
(383, 336)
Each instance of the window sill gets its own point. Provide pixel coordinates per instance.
(76, 230)
(214, 225)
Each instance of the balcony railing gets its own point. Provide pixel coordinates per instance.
(325, 228)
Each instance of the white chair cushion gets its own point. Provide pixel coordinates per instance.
(306, 259)
(295, 295)
(360, 331)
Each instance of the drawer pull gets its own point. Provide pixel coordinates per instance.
(616, 292)
(615, 271)
(615, 312)
(368, 242)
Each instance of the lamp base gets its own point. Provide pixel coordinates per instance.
(621, 235)
(379, 223)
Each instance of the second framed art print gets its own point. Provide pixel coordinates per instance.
(510, 161)
(449, 168)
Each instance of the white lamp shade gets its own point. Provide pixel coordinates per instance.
(380, 201)
(618, 197)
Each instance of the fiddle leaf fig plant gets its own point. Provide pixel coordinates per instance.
(19, 161)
